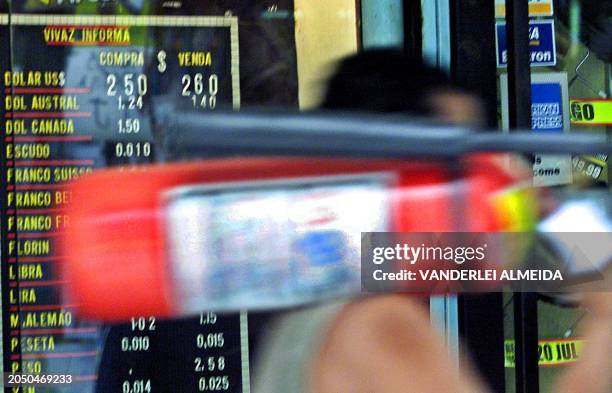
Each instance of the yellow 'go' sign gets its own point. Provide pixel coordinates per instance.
(591, 112)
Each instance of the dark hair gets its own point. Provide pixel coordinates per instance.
(385, 80)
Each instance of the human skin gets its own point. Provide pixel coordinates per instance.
(387, 344)
(593, 372)
(455, 107)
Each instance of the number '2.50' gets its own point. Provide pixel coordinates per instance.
(131, 84)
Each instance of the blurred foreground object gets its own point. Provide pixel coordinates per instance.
(350, 135)
(265, 233)
(258, 233)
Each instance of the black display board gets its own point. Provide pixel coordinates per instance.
(86, 85)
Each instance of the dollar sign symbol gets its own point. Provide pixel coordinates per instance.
(161, 58)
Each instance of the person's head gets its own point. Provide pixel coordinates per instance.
(390, 81)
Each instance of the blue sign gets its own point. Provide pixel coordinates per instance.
(541, 43)
(546, 107)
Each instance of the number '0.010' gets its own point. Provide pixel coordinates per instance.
(133, 149)
(134, 344)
